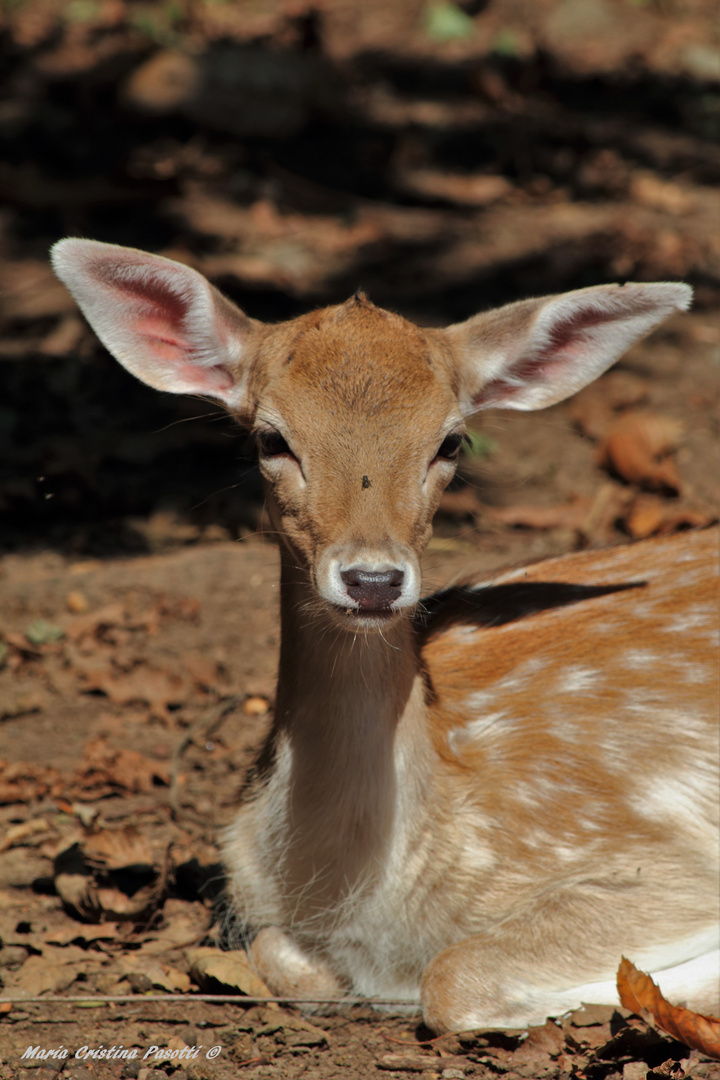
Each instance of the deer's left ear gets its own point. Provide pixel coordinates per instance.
(534, 353)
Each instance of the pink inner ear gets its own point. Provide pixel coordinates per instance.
(147, 286)
(164, 343)
(161, 327)
(563, 348)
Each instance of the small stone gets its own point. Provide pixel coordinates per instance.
(255, 706)
(76, 601)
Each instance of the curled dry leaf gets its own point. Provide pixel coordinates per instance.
(115, 849)
(231, 970)
(110, 874)
(635, 447)
(638, 992)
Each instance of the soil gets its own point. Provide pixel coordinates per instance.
(445, 158)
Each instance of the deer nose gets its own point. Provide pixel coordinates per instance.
(373, 589)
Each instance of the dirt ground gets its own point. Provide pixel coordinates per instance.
(446, 158)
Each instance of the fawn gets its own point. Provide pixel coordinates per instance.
(481, 802)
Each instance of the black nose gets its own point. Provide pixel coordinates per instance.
(373, 590)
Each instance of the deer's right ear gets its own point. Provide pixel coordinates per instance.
(163, 321)
(534, 353)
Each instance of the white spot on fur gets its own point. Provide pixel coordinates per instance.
(696, 619)
(642, 658)
(477, 730)
(577, 679)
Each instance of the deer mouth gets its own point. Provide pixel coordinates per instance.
(366, 618)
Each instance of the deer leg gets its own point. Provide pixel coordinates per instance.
(562, 952)
(289, 971)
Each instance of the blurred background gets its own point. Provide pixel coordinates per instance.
(446, 157)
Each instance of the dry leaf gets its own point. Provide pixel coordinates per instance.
(110, 769)
(158, 975)
(156, 688)
(108, 931)
(649, 514)
(230, 969)
(22, 782)
(110, 874)
(55, 970)
(113, 849)
(638, 992)
(24, 833)
(635, 447)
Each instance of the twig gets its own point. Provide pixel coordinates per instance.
(223, 999)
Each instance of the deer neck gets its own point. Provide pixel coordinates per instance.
(344, 704)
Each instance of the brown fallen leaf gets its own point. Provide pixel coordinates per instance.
(154, 687)
(21, 781)
(636, 446)
(72, 933)
(649, 515)
(110, 874)
(112, 849)
(55, 970)
(104, 769)
(209, 965)
(638, 992)
(24, 833)
(155, 974)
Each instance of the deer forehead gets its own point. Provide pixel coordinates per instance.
(356, 365)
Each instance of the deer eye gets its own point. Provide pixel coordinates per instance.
(272, 444)
(450, 447)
